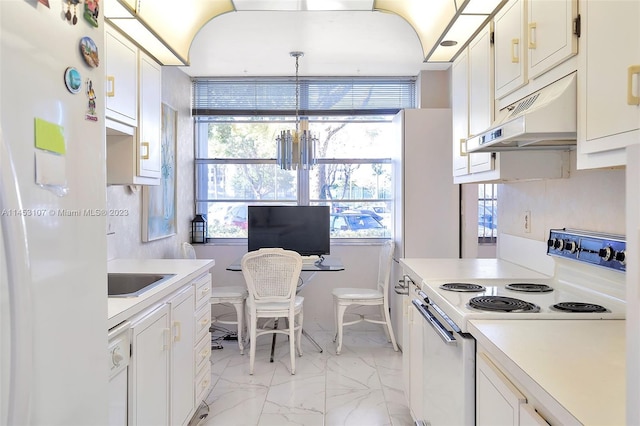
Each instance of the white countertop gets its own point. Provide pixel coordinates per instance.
(578, 364)
(459, 269)
(185, 270)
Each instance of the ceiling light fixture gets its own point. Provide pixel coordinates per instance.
(297, 149)
(444, 27)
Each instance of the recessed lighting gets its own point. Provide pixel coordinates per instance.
(448, 43)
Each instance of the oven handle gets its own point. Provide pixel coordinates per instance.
(402, 287)
(445, 335)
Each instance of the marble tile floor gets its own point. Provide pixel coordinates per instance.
(360, 387)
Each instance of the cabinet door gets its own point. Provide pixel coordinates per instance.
(550, 34)
(607, 121)
(480, 95)
(497, 400)
(150, 118)
(460, 112)
(182, 358)
(509, 48)
(122, 79)
(151, 342)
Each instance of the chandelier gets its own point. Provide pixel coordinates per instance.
(298, 148)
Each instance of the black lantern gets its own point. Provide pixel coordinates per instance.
(199, 229)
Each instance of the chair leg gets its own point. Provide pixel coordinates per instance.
(340, 318)
(390, 329)
(386, 327)
(252, 346)
(299, 337)
(292, 342)
(239, 315)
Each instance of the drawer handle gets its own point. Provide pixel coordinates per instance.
(144, 156)
(532, 31)
(112, 83)
(204, 322)
(515, 49)
(631, 99)
(205, 384)
(204, 291)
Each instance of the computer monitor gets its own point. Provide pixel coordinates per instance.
(304, 229)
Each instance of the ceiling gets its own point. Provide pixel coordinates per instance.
(335, 43)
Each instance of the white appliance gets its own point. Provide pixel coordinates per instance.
(427, 203)
(53, 250)
(588, 283)
(546, 119)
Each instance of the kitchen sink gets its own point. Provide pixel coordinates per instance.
(132, 284)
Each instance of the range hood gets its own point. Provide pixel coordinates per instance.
(544, 120)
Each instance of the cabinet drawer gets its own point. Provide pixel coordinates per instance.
(203, 353)
(203, 384)
(203, 322)
(203, 290)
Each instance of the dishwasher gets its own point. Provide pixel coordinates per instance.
(119, 356)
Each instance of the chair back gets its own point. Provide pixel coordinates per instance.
(271, 274)
(188, 252)
(384, 266)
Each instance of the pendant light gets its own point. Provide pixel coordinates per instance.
(297, 149)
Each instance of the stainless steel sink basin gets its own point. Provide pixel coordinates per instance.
(133, 285)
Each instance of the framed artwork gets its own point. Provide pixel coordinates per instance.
(159, 202)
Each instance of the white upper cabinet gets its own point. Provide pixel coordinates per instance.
(510, 48)
(481, 95)
(150, 109)
(609, 87)
(122, 79)
(133, 113)
(460, 112)
(550, 34)
(534, 42)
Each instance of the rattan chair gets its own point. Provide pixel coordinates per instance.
(346, 297)
(272, 276)
(234, 295)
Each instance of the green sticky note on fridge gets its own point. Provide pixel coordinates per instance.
(49, 136)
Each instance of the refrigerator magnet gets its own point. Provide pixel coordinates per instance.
(92, 11)
(91, 105)
(72, 80)
(89, 52)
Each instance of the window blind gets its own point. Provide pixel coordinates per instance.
(318, 96)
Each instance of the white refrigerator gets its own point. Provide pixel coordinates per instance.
(53, 285)
(427, 202)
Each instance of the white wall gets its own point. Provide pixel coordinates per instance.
(591, 200)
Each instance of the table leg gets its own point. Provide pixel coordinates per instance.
(305, 334)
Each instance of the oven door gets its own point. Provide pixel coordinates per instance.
(448, 370)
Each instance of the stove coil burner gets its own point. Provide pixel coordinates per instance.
(462, 287)
(529, 288)
(579, 307)
(502, 304)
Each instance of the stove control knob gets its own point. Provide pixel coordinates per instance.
(571, 246)
(621, 257)
(558, 244)
(606, 253)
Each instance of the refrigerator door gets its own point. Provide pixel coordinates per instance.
(65, 231)
(427, 202)
(15, 307)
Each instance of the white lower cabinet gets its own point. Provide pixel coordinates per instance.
(150, 360)
(170, 365)
(182, 365)
(498, 401)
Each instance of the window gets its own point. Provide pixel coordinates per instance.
(236, 123)
(487, 213)
(235, 167)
